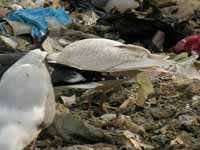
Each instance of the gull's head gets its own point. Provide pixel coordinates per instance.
(34, 57)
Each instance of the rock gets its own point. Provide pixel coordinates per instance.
(90, 147)
(188, 120)
(135, 142)
(61, 108)
(121, 6)
(161, 140)
(10, 43)
(19, 28)
(63, 42)
(158, 113)
(51, 46)
(125, 121)
(71, 35)
(151, 126)
(196, 102)
(108, 116)
(164, 129)
(69, 101)
(73, 130)
(184, 9)
(186, 138)
(193, 88)
(177, 141)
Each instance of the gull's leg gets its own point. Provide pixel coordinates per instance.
(105, 90)
(103, 98)
(128, 103)
(145, 88)
(90, 112)
(89, 95)
(141, 98)
(33, 144)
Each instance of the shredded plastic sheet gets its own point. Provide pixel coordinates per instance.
(36, 17)
(190, 44)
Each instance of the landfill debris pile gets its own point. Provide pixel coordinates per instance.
(100, 74)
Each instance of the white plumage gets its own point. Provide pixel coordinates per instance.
(26, 101)
(105, 55)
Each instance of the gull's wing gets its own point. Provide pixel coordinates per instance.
(138, 65)
(105, 55)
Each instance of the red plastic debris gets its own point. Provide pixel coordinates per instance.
(190, 44)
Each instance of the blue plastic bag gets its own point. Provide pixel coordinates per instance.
(36, 18)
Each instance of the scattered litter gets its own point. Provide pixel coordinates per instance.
(36, 18)
(69, 101)
(189, 44)
(121, 6)
(125, 72)
(9, 42)
(138, 145)
(51, 46)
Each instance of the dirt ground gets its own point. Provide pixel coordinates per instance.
(169, 121)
